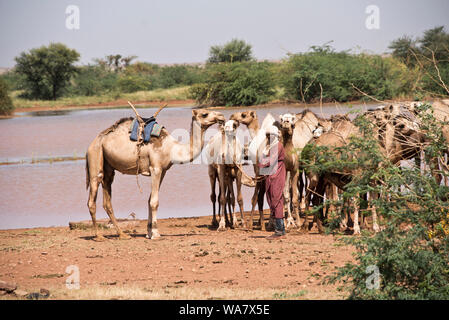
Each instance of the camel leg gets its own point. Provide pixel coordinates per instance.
(222, 200)
(253, 204)
(356, 201)
(308, 194)
(92, 205)
(317, 200)
(232, 202)
(238, 183)
(94, 173)
(374, 196)
(295, 196)
(157, 175)
(107, 195)
(213, 196)
(287, 206)
(302, 191)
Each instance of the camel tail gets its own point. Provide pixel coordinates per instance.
(87, 174)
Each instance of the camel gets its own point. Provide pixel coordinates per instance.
(226, 151)
(297, 130)
(113, 150)
(257, 133)
(338, 136)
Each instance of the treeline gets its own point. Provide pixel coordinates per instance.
(232, 76)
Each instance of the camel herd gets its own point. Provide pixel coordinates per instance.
(396, 127)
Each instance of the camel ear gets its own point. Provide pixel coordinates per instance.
(194, 112)
(253, 114)
(294, 118)
(280, 117)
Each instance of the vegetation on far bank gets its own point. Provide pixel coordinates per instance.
(47, 76)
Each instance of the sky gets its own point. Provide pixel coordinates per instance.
(175, 31)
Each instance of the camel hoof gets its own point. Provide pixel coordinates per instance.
(124, 236)
(222, 226)
(290, 222)
(304, 229)
(214, 223)
(356, 231)
(153, 235)
(376, 228)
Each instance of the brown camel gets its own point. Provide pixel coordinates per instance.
(297, 131)
(113, 150)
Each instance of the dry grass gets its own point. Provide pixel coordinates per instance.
(108, 292)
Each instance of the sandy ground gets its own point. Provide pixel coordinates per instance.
(189, 261)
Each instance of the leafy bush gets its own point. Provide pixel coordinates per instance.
(6, 105)
(177, 75)
(412, 251)
(245, 83)
(337, 72)
(133, 83)
(234, 51)
(93, 80)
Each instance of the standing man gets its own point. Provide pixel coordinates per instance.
(273, 163)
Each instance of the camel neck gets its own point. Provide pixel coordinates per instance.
(253, 128)
(184, 153)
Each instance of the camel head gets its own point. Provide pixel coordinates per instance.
(230, 127)
(288, 121)
(206, 118)
(245, 117)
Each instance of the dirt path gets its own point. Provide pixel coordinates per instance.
(189, 261)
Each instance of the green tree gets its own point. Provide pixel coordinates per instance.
(6, 105)
(402, 49)
(436, 40)
(47, 70)
(234, 51)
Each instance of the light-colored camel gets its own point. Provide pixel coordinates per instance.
(225, 151)
(113, 150)
(258, 142)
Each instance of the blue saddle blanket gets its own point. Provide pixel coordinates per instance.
(152, 128)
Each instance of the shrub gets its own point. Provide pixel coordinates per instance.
(6, 105)
(177, 75)
(93, 80)
(337, 72)
(133, 83)
(245, 83)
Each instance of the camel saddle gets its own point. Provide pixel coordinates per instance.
(151, 128)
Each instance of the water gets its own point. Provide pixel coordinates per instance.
(52, 194)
